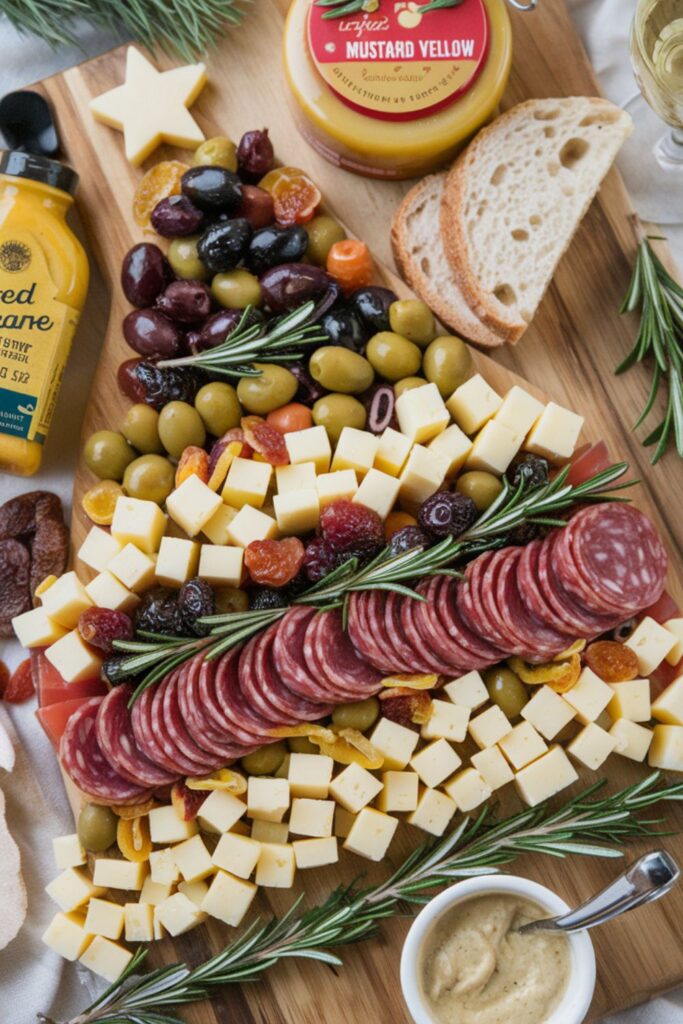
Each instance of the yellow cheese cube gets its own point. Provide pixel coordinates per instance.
(494, 448)
(435, 762)
(338, 486)
(468, 789)
(545, 777)
(492, 766)
(354, 787)
(106, 958)
(547, 712)
(522, 745)
(392, 451)
(166, 826)
(675, 626)
(300, 477)
(220, 811)
(98, 549)
(66, 935)
(309, 445)
(311, 817)
(468, 690)
(228, 898)
(473, 403)
(221, 565)
(159, 931)
(371, 834)
(453, 445)
(631, 700)
(632, 740)
(195, 891)
(178, 914)
(106, 591)
(589, 696)
(421, 413)
(72, 889)
(555, 433)
(343, 820)
(163, 867)
(592, 746)
(68, 852)
(36, 629)
(489, 727)
(315, 853)
(400, 792)
(193, 859)
(519, 410)
(297, 511)
(247, 483)
(217, 529)
(177, 562)
(237, 854)
(133, 568)
(113, 873)
(104, 918)
(666, 751)
(356, 449)
(138, 522)
(378, 491)
(447, 721)
(276, 864)
(154, 893)
(139, 922)
(668, 707)
(269, 831)
(193, 504)
(73, 659)
(422, 475)
(309, 775)
(267, 799)
(66, 599)
(433, 812)
(251, 524)
(396, 743)
(651, 644)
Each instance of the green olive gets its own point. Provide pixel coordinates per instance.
(335, 411)
(447, 363)
(180, 425)
(413, 319)
(283, 771)
(218, 406)
(323, 232)
(361, 715)
(236, 289)
(407, 384)
(217, 152)
(506, 690)
(230, 599)
(302, 745)
(392, 356)
(266, 760)
(182, 255)
(150, 478)
(97, 827)
(107, 454)
(274, 386)
(141, 428)
(482, 488)
(339, 369)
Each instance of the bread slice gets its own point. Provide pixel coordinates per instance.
(421, 257)
(515, 197)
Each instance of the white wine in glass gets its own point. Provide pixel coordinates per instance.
(657, 57)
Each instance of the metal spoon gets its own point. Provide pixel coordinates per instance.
(646, 880)
(27, 124)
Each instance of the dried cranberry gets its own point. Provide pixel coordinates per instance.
(531, 469)
(348, 527)
(176, 216)
(185, 301)
(309, 391)
(379, 400)
(255, 155)
(319, 559)
(158, 612)
(195, 599)
(447, 515)
(406, 539)
(101, 626)
(267, 598)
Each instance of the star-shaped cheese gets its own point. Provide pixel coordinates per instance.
(151, 106)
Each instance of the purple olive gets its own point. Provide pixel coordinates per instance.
(185, 301)
(150, 333)
(145, 273)
(379, 401)
(291, 284)
(217, 327)
(255, 154)
(256, 206)
(309, 391)
(176, 216)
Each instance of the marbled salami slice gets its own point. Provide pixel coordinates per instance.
(581, 620)
(226, 705)
(252, 688)
(201, 728)
(116, 738)
(540, 641)
(406, 658)
(145, 735)
(296, 708)
(566, 571)
(533, 594)
(470, 602)
(337, 655)
(365, 619)
(481, 652)
(419, 642)
(494, 617)
(429, 624)
(166, 730)
(290, 659)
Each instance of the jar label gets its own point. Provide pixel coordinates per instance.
(397, 63)
(35, 337)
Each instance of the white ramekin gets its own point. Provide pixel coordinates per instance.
(579, 993)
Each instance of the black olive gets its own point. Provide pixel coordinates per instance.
(274, 245)
(372, 307)
(212, 188)
(343, 327)
(223, 246)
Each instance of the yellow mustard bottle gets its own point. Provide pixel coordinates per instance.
(43, 283)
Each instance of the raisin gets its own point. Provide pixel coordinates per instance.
(15, 574)
(268, 598)
(265, 440)
(274, 563)
(158, 612)
(101, 626)
(407, 538)
(611, 661)
(20, 685)
(196, 599)
(446, 515)
(531, 469)
(49, 550)
(348, 527)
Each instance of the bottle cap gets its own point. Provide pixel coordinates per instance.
(38, 168)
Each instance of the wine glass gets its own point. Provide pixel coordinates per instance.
(657, 56)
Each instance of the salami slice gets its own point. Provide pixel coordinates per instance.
(406, 658)
(564, 567)
(366, 612)
(582, 621)
(481, 652)
(495, 618)
(430, 626)
(246, 724)
(420, 643)
(116, 738)
(86, 763)
(200, 726)
(470, 602)
(540, 641)
(288, 655)
(145, 735)
(533, 594)
(296, 708)
(252, 685)
(337, 655)
(166, 729)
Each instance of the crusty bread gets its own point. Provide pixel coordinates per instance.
(515, 197)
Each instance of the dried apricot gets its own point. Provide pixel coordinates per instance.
(100, 501)
(406, 706)
(265, 440)
(309, 730)
(290, 417)
(132, 838)
(20, 685)
(274, 563)
(223, 464)
(295, 196)
(224, 779)
(560, 676)
(350, 262)
(425, 682)
(193, 461)
(158, 183)
(611, 661)
(128, 811)
(351, 747)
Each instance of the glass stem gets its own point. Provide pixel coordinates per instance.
(669, 149)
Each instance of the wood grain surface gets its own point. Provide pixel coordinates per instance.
(568, 354)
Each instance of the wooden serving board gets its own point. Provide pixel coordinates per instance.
(568, 353)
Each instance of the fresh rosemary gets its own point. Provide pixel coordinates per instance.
(660, 300)
(342, 8)
(585, 825)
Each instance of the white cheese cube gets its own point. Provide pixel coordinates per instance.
(668, 707)
(400, 792)
(473, 403)
(155, 893)
(447, 721)
(300, 477)
(522, 745)
(178, 914)
(547, 712)
(276, 864)
(68, 852)
(396, 743)
(675, 626)
(468, 690)
(555, 433)
(113, 873)
(66, 599)
(631, 700)
(165, 825)
(315, 853)
(453, 445)
(177, 562)
(371, 834)
(104, 918)
(469, 789)
(247, 483)
(106, 958)
(339, 486)
(98, 549)
(545, 777)
(354, 787)
(433, 812)
(435, 762)
(192, 504)
(237, 854)
(650, 642)
(666, 750)
(309, 775)
(228, 898)
(217, 528)
(589, 696)
(356, 449)
(422, 475)
(133, 568)
(106, 591)
(492, 766)
(297, 511)
(592, 746)
(195, 891)
(309, 445)
(66, 935)
(311, 817)
(138, 522)
(159, 931)
(519, 410)
(73, 659)
(35, 628)
(163, 867)
(72, 889)
(343, 820)
(193, 859)
(487, 728)
(270, 831)
(267, 799)
(421, 413)
(139, 922)
(632, 740)
(251, 524)
(378, 491)
(221, 565)
(392, 451)
(494, 448)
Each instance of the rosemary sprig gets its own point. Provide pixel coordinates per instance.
(342, 8)
(585, 826)
(660, 300)
(278, 342)
(439, 5)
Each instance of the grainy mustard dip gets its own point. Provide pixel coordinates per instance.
(475, 968)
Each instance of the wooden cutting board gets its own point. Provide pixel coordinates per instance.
(568, 353)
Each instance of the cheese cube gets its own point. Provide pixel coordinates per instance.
(165, 825)
(666, 750)
(473, 403)
(220, 811)
(68, 852)
(371, 834)
(192, 504)
(468, 690)
(494, 448)
(631, 700)
(492, 766)
(547, 712)
(555, 433)
(545, 777)
(675, 626)
(435, 762)
(309, 774)
(309, 445)
(159, 931)
(195, 891)
(668, 707)
(300, 477)
(592, 746)
(421, 413)
(422, 475)
(356, 449)
(251, 524)
(519, 410)
(270, 831)
(154, 893)
(469, 789)
(228, 898)
(447, 721)
(267, 799)
(104, 918)
(66, 599)
(217, 529)
(487, 728)
(311, 817)
(106, 958)
(113, 873)
(139, 922)
(73, 659)
(138, 522)
(98, 549)
(338, 486)
(276, 864)
(106, 591)
(453, 445)
(433, 812)
(589, 696)
(522, 745)
(221, 565)
(354, 787)
(163, 867)
(343, 820)
(35, 628)
(72, 889)
(297, 511)
(400, 792)
(650, 642)
(392, 451)
(396, 743)
(66, 935)
(314, 853)
(178, 914)
(237, 854)
(177, 562)
(633, 740)
(247, 483)
(378, 491)
(133, 568)
(193, 859)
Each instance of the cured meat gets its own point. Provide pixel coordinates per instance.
(252, 687)
(202, 729)
(160, 718)
(436, 637)
(470, 602)
(145, 735)
(337, 656)
(418, 642)
(116, 738)
(540, 641)
(288, 656)
(580, 620)
(532, 593)
(365, 618)
(406, 658)
(481, 652)
(297, 708)
(245, 722)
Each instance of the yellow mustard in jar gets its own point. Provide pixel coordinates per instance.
(43, 284)
(394, 90)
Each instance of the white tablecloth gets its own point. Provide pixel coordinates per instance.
(31, 978)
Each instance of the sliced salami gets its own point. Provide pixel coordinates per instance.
(246, 724)
(145, 735)
(202, 729)
(165, 728)
(296, 708)
(337, 655)
(533, 594)
(429, 624)
(470, 603)
(418, 641)
(366, 621)
(540, 640)
(496, 618)
(582, 621)
(252, 685)
(481, 652)
(289, 658)
(406, 658)
(116, 738)
(564, 567)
